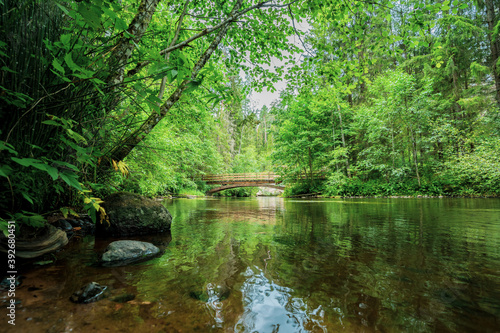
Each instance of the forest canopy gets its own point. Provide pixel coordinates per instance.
(388, 98)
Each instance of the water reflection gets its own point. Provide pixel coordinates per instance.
(269, 307)
(278, 265)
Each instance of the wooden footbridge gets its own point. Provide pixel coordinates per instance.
(233, 180)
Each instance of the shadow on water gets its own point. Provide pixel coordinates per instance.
(283, 265)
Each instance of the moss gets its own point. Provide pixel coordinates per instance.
(131, 214)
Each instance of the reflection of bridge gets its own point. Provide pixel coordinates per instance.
(233, 180)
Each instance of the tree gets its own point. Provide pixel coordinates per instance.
(83, 83)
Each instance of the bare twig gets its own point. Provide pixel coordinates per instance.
(298, 35)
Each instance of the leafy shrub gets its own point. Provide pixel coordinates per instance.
(476, 173)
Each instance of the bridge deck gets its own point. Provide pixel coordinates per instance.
(242, 177)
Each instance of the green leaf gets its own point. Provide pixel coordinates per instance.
(75, 136)
(5, 170)
(91, 14)
(97, 81)
(65, 39)
(51, 122)
(7, 146)
(68, 165)
(57, 65)
(7, 69)
(110, 13)
(53, 172)
(121, 24)
(173, 74)
(63, 9)
(153, 99)
(25, 161)
(71, 179)
(71, 64)
(27, 197)
(32, 219)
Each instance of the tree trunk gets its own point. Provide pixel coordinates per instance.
(241, 137)
(343, 145)
(494, 46)
(121, 151)
(415, 159)
(126, 45)
(310, 167)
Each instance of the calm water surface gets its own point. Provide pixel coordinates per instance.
(287, 265)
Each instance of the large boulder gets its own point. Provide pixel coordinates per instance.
(125, 252)
(132, 214)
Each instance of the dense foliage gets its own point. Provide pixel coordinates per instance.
(392, 102)
(85, 83)
(148, 96)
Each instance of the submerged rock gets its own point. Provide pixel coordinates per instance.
(82, 226)
(63, 225)
(132, 214)
(89, 293)
(125, 252)
(124, 298)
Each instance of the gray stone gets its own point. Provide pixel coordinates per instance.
(63, 225)
(128, 251)
(89, 293)
(132, 214)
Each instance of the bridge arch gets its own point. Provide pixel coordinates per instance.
(235, 180)
(230, 186)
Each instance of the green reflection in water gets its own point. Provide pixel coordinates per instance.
(297, 265)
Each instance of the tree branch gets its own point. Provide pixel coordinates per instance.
(298, 35)
(122, 150)
(206, 31)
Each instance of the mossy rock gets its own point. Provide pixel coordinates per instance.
(133, 214)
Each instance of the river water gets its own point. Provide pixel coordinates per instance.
(288, 265)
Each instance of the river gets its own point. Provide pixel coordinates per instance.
(288, 265)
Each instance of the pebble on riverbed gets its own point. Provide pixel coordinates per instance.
(89, 293)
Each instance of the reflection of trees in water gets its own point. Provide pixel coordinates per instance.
(381, 262)
(373, 264)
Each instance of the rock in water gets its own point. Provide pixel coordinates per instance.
(132, 214)
(90, 293)
(125, 252)
(45, 240)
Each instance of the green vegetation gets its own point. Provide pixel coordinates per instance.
(394, 101)
(148, 96)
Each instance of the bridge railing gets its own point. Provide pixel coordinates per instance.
(254, 177)
(240, 177)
